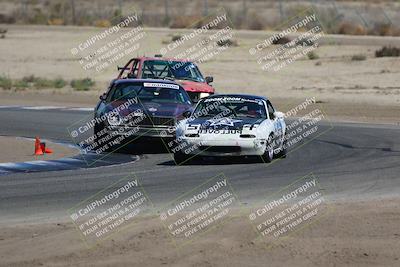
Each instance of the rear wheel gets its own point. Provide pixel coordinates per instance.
(269, 151)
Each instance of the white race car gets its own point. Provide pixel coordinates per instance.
(231, 125)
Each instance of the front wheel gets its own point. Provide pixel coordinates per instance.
(282, 150)
(269, 151)
(180, 158)
(99, 134)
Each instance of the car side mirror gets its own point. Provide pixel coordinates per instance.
(209, 79)
(279, 115)
(103, 97)
(187, 113)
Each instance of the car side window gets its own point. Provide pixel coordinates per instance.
(270, 110)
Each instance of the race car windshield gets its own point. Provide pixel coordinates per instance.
(125, 91)
(161, 69)
(241, 108)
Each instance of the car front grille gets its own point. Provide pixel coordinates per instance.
(155, 121)
(221, 149)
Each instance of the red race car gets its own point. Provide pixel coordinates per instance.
(184, 72)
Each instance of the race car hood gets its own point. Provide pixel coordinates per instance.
(149, 108)
(198, 87)
(224, 123)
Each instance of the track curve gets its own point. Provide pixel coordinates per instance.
(351, 161)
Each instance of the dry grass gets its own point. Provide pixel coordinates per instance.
(353, 29)
(34, 82)
(378, 18)
(388, 51)
(358, 57)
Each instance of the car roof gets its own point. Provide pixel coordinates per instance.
(253, 97)
(118, 81)
(164, 59)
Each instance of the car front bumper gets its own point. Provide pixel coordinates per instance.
(215, 147)
(145, 131)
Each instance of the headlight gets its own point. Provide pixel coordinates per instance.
(204, 95)
(114, 119)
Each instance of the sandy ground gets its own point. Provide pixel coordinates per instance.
(352, 234)
(348, 90)
(20, 149)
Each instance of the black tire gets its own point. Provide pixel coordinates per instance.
(180, 158)
(282, 151)
(99, 127)
(268, 155)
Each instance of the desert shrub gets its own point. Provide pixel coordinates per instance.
(21, 84)
(43, 83)
(281, 41)
(7, 19)
(55, 21)
(359, 30)
(227, 42)
(5, 82)
(59, 83)
(3, 32)
(30, 79)
(358, 57)
(117, 15)
(176, 37)
(312, 55)
(383, 29)
(185, 22)
(304, 42)
(388, 51)
(351, 28)
(82, 84)
(102, 23)
(345, 28)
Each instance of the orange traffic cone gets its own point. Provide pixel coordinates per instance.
(38, 148)
(43, 146)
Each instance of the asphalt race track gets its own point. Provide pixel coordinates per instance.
(351, 161)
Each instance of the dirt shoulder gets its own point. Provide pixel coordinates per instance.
(15, 149)
(352, 234)
(49, 98)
